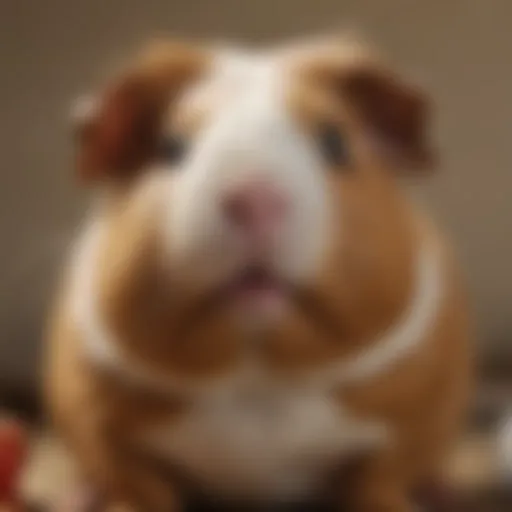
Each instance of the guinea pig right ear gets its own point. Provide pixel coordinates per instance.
(117, 132)
(392, 113)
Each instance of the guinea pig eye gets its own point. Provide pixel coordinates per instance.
(172, 149)
(333, 145)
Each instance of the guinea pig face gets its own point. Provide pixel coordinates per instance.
(249, 210)
(255, 152)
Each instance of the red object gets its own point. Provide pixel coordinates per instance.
(13, 448)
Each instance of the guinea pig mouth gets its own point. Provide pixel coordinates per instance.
(257, 286)
(253, 290)
(258, 292)
(255, 279)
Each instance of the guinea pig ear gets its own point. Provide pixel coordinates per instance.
(393, 114)
(118, 130)
(114, 132)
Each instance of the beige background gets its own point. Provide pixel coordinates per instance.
(51, 49)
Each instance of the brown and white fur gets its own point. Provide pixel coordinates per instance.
(345, 373)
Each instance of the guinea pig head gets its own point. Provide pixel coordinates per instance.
(275, 168)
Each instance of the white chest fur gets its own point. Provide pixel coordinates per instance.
(264, 440)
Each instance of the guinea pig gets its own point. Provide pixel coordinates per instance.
(254, 311)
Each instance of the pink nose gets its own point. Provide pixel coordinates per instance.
(256, 209)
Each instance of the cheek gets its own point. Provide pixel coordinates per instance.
(357, 231)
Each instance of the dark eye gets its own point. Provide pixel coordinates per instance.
(172, 149)
(333, 145)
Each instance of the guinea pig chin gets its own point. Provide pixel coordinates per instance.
(249, 212)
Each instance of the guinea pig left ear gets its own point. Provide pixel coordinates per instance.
(393, 113)
(114, 131)
(118, 131)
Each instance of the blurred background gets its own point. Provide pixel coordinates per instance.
(51, 50)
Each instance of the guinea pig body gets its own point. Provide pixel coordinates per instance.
(254, 305)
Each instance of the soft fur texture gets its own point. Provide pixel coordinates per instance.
(346, 376)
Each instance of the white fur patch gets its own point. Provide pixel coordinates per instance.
(250, 137)
(264, 440)
(97, 342)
